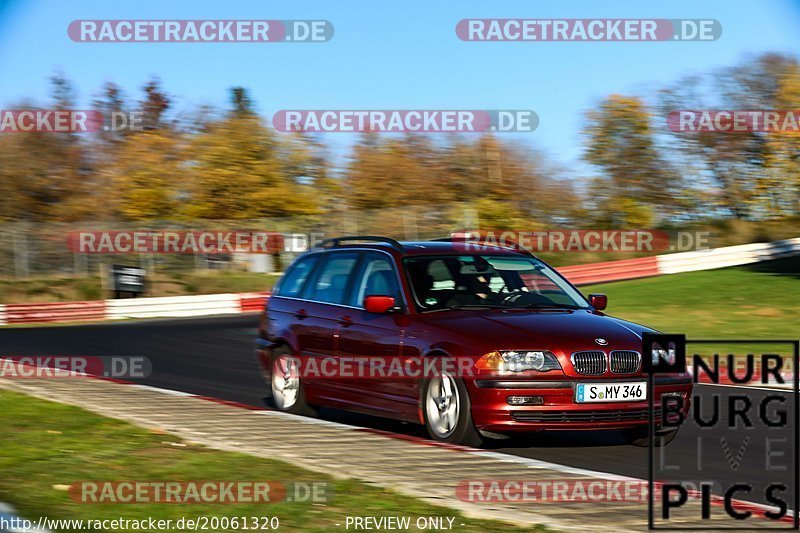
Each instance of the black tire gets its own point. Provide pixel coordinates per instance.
(300, 406)
(464, 433)
(640, 436)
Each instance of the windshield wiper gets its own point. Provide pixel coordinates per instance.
(456, 307)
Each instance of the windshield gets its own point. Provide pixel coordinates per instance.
(488, 281)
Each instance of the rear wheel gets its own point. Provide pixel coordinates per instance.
(288, 394)
(640, 436)
(447, 411)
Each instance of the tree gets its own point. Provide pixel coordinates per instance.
(637, 182)
(147, 176)
(43, 176)
(743, 167)
(779, 185)
(154, 106)
(236, 173)
(140, 175)
(508, 186)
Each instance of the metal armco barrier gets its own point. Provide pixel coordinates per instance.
(54, 312)
(252, 302)
(174, 306)
(611, 271)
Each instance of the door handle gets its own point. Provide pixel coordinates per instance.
(346, 321)
(301, 314)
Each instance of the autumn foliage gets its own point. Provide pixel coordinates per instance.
(231, 165)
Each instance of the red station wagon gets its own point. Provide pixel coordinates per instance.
(488, 341)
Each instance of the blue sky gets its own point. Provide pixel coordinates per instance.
(399, 55)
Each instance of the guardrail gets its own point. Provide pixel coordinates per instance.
(169, 307)
(251, 302)
(54, 312)
(680, 262)
(174, 306)
(728, 256)
(611, 271)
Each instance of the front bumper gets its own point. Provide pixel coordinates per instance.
(558, 410)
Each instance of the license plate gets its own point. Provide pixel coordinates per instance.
(611, 392)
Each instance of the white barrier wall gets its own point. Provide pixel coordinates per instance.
(726, 257)
(708, 259)
(3, 316)
(778, 249)
(175, 306)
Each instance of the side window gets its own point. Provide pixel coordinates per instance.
(377, 278)
(331, 283)
(292, 282)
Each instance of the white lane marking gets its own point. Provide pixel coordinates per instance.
(163, 391)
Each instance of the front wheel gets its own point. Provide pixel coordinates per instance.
(447, 411)
(640, 436)
(288, 393)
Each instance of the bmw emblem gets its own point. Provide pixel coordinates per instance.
(601, 342)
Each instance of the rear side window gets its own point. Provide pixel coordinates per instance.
(332, 282)
(377, 278)
(292, 283)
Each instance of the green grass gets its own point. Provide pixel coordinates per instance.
(759, 301)
(45, 444)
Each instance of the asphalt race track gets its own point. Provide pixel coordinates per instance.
(215, 357)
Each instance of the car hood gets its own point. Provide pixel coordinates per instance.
(561, 332)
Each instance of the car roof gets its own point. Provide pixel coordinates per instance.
(415, 248)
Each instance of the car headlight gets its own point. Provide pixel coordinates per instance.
(518, 361)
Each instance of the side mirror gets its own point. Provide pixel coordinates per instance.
(598, 301)
(378, 304)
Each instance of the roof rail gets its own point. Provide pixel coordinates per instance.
(331, 243)
(507, 245)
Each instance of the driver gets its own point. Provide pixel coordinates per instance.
(475, 290)
(481, 287)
